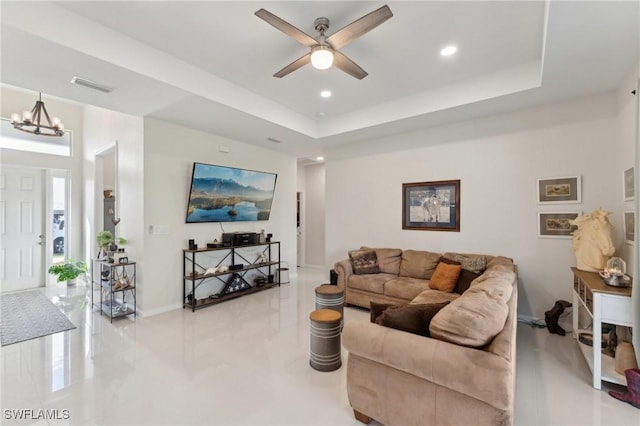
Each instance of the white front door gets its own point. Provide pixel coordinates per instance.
(22, 228)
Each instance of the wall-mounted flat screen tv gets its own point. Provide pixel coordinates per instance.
(228, 194)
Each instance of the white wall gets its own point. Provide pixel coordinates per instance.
(12, 100)
(170, 151)
(102, 128)
(628, 119)
(498, 160)
(626, 143)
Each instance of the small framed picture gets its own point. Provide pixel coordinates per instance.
(559, 190)
(629, 227)
(556, 224)
(124, 260)
(629, 184)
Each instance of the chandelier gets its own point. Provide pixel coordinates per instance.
(31, 121)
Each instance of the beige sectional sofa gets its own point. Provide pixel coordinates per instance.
(463, 374)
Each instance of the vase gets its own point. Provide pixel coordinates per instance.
(625, 357)
(102, 253)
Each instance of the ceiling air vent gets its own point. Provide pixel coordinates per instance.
(90, 84)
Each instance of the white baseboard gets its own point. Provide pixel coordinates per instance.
(527, 318)
(157, 311)
(313, 266)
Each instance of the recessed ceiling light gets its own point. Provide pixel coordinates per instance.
(448, 51)
(321, 114)
(325, 93)
(320, 158)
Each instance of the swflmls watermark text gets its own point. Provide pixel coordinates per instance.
(39, 414)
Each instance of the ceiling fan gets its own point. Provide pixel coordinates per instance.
(324, 50)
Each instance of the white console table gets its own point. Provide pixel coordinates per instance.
(606, 304)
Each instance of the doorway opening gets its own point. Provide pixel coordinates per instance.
(106, 191)
(299, 233)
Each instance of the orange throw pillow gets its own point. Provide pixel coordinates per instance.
(445, 277)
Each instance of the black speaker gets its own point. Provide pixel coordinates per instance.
(333, 277)
(193, 245)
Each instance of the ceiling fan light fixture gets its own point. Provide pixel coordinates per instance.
(321, 57)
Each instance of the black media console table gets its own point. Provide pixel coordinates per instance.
(257, 260)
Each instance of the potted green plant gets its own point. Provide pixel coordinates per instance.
(104, 239)
(68, 271)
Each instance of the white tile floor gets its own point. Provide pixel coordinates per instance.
(246, 362)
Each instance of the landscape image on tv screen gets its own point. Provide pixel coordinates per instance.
(227, 194)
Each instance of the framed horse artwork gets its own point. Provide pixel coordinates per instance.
(431, 206)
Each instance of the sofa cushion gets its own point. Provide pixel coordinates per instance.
(445, 277)
(500, 260)
(388, 259)
(498, 284)
(471, 262)
(473, 319)
(433, 296)
(364, 262)
(464, 280)
(405, 287)
(410, 318)
(501, 267)
(373, 282)
(418, 264)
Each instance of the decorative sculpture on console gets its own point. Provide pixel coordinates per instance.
(592, 242)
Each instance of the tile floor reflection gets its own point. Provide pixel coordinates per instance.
(245, 362)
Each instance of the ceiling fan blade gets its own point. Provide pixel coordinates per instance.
(359, 27)
(298, 63)
(348, 66)
(286, 28)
